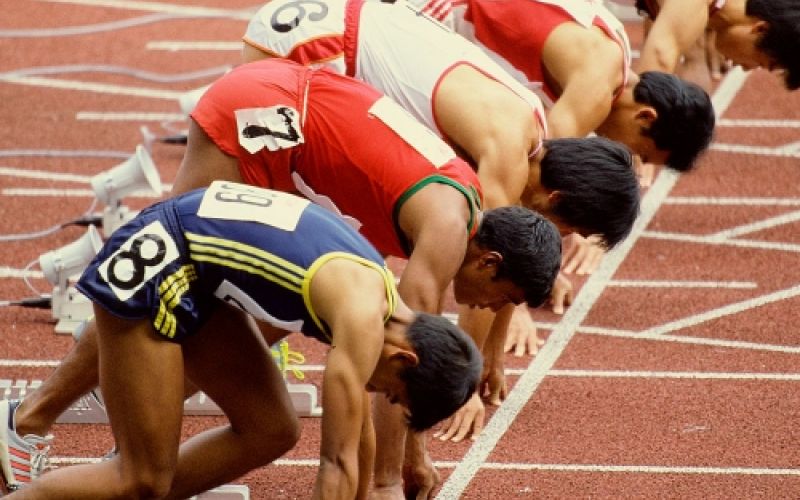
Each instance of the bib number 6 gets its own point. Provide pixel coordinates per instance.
(300, 14)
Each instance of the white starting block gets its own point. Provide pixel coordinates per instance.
(226, 492)
(16, 389)
(89, 410)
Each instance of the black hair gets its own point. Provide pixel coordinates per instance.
(598, 189)
(530, 246)
(448, 372)
(781, 40)
(685, 122)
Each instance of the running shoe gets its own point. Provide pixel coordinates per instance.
(22, 458)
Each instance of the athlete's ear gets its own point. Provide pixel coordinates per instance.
(407, 358)
(646, 115)
(490, 260)
(554, 198)
(760, 28)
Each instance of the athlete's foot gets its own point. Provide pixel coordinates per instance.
(23, 458)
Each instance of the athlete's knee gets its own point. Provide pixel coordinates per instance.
(282, 434)
(143, 482)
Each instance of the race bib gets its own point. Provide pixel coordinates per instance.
(140, 258)
(233, 201)
(273, 128)
(412, 131)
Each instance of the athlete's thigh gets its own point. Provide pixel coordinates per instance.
(141, 378)
(231, 362)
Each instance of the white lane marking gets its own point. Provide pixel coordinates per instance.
(500, 422)
(709, 240)
(176, 45)
(162, 7)
(24, 173)
(733, 376)
(100, 88)
(678, 339)
(731, 201)
(28, 363)
(11, 272)
(646, 469)
(132, 116)
(681, 284)
(643, 469)
(723, 311)
(767, 223)
(728, 122)
(791, 150)
(73, 193)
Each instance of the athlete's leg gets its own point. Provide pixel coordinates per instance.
(76, 375)
(142, 379)
(694, 66)
(203, 162)
(73, 377)
(230, 361)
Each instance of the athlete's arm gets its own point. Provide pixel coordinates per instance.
(251, 53)
(351, 299)
(588, 66)
(493, 126)
(366, 452)
(435, 222)
(678, 25)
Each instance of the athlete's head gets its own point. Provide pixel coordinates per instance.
(777, 36)
(684, 121)
(591, 187)
(513, 258)
(447, 373)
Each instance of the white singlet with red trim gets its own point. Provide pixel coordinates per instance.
(400, 51)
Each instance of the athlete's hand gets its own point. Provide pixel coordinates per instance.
(561, 295)
(466, 422)
(583, 255)
(646, 172)
(493, 383)
(420, 478)
(522, 337)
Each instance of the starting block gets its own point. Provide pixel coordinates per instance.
(89, 408)
(304, 399)
(226, 492)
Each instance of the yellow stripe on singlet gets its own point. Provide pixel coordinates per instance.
(386, 274)
(247, 258)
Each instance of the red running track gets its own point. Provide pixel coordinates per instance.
(675, 373)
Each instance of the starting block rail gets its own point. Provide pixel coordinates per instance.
(90, 410)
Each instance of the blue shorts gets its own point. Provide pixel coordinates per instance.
(143, 271)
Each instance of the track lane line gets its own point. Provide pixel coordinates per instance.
(519, 395)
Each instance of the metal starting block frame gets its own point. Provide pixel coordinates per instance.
(89, 410)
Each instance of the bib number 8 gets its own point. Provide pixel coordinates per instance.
(138, 262)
